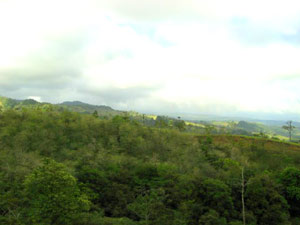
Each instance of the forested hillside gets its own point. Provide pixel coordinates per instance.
(270, 129)
(74, 106)
(70, 168)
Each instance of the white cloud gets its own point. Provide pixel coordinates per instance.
(190, 58)
(36, 98)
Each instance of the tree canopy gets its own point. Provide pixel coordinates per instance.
(69, 168)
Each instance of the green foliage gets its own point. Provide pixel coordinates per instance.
(290, 179)
(216, 195)
(212, 218)
(148, 206)
(116, 221)
(266, 203)
(95, 114)
(108, 189)
(10, 199)
(53, 195)
(162, 122)
(130, 173)
(180, 125)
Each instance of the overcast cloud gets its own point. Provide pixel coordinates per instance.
(209, 56)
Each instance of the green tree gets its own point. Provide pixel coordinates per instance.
(95, 114)
(216, 195)
(290, 179)
(266, 203)
(161, 122)
(180, 124)
(53, 195)
(212, 218)
(289, 127)
(10, 200)
(147, 206)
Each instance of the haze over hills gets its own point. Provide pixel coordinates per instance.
(267, 118)
(194, 122)
(82, 107)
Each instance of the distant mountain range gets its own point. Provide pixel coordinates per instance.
(81, 107)
(74, 106)
(194, 122)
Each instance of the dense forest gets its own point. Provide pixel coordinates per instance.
(62, 167)
(260, 128)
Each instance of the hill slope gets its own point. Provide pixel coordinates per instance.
(128, 173)
(214, 127)
(74, 106)
(80, 107)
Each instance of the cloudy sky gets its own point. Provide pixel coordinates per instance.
(233, 57)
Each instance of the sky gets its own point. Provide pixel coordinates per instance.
(234, 57)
